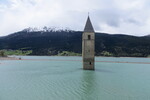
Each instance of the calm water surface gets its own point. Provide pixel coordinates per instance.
(62, 78)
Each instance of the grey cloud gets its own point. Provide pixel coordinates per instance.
(109, 17)
(133, 21)
(73, 14)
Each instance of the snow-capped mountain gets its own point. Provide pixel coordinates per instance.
(46, 29)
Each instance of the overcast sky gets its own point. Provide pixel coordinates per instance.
(111, 16)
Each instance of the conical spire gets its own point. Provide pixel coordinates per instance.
(88, 26)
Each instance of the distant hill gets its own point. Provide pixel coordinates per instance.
(49, 41)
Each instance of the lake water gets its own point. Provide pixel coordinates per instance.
(62, 78)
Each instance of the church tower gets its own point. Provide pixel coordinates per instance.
(88, 46)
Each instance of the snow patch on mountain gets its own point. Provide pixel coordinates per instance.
(46, 29)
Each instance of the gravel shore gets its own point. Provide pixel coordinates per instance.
(9, 58)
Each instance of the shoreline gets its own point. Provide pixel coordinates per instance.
(103, 61)
(16, 57)
(13, 58)
(9, 58)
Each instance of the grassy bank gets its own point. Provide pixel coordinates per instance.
(15, 52)
(67, 53)
(43, 52)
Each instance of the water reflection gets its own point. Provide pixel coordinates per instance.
(88, 85)
(104, 70)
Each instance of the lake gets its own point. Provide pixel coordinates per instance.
(62, 78)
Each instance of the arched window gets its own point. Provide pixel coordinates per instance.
(89, 37)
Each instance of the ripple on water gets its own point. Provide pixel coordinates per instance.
(51, 80)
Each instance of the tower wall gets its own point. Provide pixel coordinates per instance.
(88, 50)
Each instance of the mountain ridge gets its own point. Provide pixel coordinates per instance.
(49, 41)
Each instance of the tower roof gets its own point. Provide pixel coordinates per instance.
(88, 26)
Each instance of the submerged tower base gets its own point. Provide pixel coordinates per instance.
(88, 64)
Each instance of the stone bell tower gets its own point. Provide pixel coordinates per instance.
(88, 46)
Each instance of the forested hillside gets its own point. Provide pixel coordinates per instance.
(54, 42)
